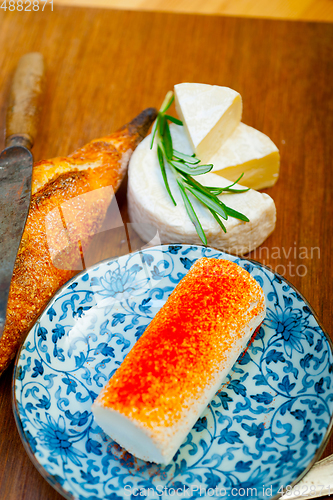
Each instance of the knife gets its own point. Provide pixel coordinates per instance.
(16, 165)
(318, 482)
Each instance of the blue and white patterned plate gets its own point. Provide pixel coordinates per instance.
(265, 427)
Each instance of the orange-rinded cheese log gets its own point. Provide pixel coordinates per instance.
(174, 370)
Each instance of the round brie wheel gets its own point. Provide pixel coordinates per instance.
(157, 220)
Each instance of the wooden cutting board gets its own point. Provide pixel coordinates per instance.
(104, 67)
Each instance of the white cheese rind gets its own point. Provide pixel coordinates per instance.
(153, 425)
(151, 208)
(250, 152)
(160, 444)
(210, 114)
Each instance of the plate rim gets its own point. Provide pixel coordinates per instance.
(41, 469)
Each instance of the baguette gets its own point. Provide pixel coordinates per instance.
(81, 182)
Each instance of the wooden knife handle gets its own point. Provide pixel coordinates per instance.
(25, 101)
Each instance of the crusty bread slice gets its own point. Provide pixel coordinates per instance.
(83, 183)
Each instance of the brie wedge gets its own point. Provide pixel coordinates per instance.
(171, 374)
(250, 152)
(151, 208)
(209, 113)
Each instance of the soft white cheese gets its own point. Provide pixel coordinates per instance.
(177, 375)
(160, 444)
(250, 152)
(209, 113)
(151, 208)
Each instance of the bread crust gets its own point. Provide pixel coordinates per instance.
(83, 183)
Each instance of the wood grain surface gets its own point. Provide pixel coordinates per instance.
(306, 10)
(104, 67)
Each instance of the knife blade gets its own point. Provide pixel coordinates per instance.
(16, 164)
(318, 482)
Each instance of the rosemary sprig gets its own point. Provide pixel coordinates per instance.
(184, 167)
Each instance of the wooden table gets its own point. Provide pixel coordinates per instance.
(105, 66)
(306, 10)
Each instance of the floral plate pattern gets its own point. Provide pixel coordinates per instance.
(265, 427)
